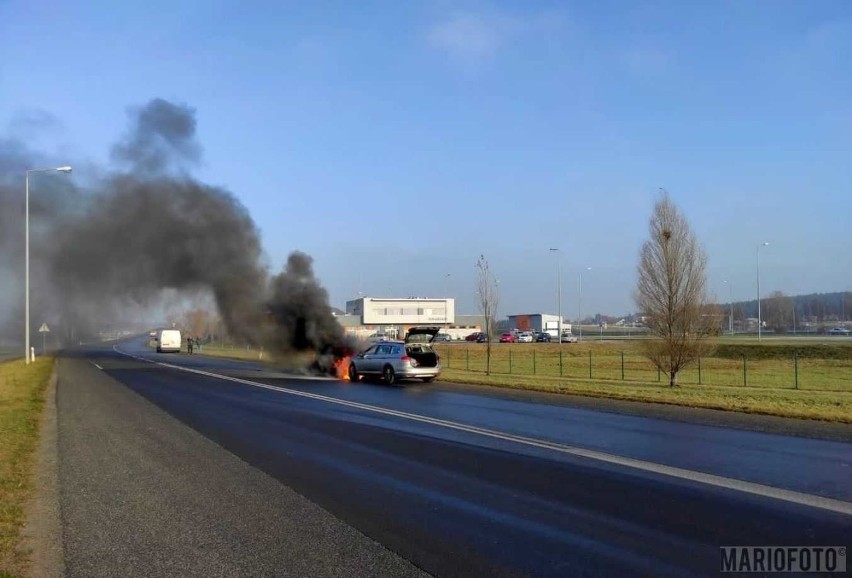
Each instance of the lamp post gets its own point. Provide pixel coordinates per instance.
(759, 323)
(446, 303)
(580, 303)
(558, 290)
(731, 302)
(27, 257)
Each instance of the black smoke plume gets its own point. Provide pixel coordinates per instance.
(299, 310)
(149, 226)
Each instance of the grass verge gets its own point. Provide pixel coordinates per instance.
(22, 391)
(765, 366)
(294, 360)
(803, 404)
(234, 352)
(725, 394)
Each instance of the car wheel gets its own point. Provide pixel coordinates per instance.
(428, 379)
(389, 375)
(353, 372)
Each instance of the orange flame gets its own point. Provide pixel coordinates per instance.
(341, 368)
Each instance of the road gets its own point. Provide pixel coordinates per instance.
(415, 478)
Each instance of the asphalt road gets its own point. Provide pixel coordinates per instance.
(425, 476)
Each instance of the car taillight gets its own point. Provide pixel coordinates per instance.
(410, 360)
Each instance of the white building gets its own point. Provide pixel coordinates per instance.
(411, 311)
(366, 316)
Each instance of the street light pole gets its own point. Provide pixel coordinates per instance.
(759, 323)
(446, 303)
(558, 291)
(580, 303)
(27, 257)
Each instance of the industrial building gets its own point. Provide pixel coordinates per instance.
(372, 316)
(538, 322)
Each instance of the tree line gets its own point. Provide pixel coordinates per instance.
(806, 313)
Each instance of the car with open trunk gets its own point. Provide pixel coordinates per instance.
(413, 358)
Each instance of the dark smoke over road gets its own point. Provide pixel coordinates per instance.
(148, 225)
(298, 307)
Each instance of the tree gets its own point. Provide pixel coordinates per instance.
(671, 292)
(486, 292)
(739, 312)
(779, 312)
(198, 322)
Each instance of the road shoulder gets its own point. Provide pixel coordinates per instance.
(142, 494)
(42, 532)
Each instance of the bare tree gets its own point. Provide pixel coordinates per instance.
(486, 292)
(779, 312)
(671, 292)
(197, 322)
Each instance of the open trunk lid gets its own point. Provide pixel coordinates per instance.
(421, 334)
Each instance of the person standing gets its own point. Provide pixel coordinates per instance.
(189, 345)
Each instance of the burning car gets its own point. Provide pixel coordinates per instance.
(413, 358)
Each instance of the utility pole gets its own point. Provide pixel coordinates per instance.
(759, 322)
(558, 290)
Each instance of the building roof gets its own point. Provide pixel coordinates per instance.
(533, 315)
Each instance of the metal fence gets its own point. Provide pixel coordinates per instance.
(792, 372)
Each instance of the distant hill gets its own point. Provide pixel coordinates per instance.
(821, 307)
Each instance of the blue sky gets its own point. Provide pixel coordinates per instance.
(396, 141)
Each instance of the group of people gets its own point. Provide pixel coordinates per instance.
(192, 343)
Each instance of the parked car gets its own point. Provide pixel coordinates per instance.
(442, 337)
(838, 331)
(413, 358)
(542, 337)
(507, 337)
(525, 337)
(478, 337)
(568, 338)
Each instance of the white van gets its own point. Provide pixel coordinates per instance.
(168, 341)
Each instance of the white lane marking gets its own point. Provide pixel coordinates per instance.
(832, 504)
(96, 365)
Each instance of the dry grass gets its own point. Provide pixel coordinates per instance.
(829, 406)
(766, 366)
(824, 385)
(22, 391)
(242, 353)
(824, 393)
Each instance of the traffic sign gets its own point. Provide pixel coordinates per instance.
(44, 328)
